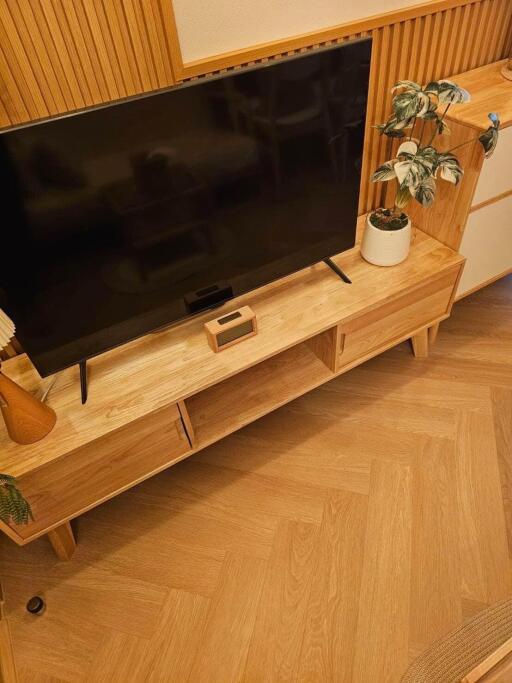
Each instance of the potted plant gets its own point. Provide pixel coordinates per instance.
(13, 506)
(418, 165)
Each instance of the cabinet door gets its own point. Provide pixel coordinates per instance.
(369, 334)
(487, 245)
(496, 175)
(104, 468)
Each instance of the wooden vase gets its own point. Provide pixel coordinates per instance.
(27, 419)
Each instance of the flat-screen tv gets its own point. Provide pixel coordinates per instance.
(120, 220)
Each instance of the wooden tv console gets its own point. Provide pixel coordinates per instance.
(166, 396)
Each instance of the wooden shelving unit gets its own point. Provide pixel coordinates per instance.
(164, 397)
(239, 400)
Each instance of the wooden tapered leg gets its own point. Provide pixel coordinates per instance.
(63, 541)
(420, 344)
(432, 334)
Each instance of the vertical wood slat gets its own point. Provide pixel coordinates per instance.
(41, 32)
(85, 86)
(123, 48)
(140, 46)
(505, 22)
(508, 47)
(95, 51)
(442, 44)
(25, 82)
(19, 32)
(60, 55)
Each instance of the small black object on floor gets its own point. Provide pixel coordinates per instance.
(36, 605)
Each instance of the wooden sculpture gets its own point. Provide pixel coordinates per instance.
(27, 419)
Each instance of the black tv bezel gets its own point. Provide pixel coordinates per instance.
(316, 255)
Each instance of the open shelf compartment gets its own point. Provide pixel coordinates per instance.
(243, 398)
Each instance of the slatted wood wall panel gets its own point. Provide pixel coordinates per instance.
(435, 40)
(61, 55)
(425, 48)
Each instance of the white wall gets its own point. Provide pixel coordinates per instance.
(211, 27)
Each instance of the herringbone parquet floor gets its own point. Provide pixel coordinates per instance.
(333, 540)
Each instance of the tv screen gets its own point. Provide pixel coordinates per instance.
(123, 219)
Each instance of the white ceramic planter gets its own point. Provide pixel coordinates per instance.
(385, 247)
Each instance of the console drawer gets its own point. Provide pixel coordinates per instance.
(90, 475)
(376, 330)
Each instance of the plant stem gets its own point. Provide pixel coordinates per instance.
(436, 127)
(412, 129)
(422, 131)
(462, 144)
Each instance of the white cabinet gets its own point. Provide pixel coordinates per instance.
(496, 175)
(487, 243)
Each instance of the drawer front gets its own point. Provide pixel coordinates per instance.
(487, 245)
(496, 177)
(92, 474)
(378, 329)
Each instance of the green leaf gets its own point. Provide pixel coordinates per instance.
(13, 506)
(410, 86)
(394, 128)
(385, 172)
(410, 173)
(440, 123)
(408, 148)
(409, 104)
(450, 168)
(391, 133)
(448, 92)
(403, 197)
(429, 157)
(489, 139)
(425, 192)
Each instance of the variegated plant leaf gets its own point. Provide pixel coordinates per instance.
(391, 132)
(403, 197)
(385, 172)
(440, 123)
(394, 128)
(409, 104)
(411, 173)
(448, 92)
(489, 139)
(408, 149)
(425, 192)
(450, 168)
(428, 156)
(408, 85)
(442, 127)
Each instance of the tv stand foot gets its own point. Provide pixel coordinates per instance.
(337, 270)
(63, 541)
(83, 380)
(432, 334)
(420, 344)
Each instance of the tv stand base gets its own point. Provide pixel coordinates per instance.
(63, 541)
(329, 262)
(83, 380)
(178, 397)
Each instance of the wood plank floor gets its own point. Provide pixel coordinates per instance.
(333, 540)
